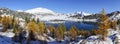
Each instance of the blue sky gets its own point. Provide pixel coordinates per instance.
(64, 6)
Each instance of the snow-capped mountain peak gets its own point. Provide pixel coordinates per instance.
(39, 11)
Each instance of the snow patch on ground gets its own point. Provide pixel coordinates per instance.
(7, 34)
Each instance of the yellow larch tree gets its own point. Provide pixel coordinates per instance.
(32, 26)
(41, 26)
(104, 24)
(73, 32)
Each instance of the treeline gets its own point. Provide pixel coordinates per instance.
(58, 33)
(8, 22)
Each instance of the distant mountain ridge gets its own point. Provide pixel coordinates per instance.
(44, 13)
(7, 11)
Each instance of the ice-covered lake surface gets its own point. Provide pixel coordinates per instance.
(79, 25)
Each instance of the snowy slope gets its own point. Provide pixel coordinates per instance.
(39, 11)
(115, 16)
(20, 11)
(51, 17)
